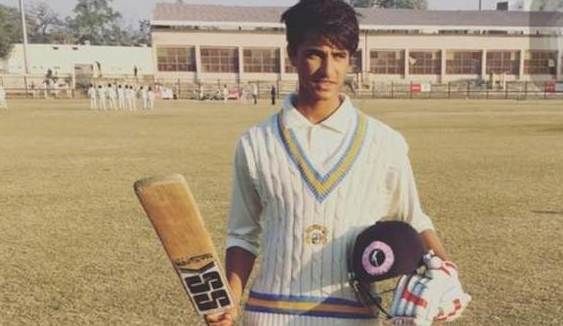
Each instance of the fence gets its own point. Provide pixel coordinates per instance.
(213, 89)
(71, 87)
(462, 90)
(466, 90)
(62, 86)
(35, 86)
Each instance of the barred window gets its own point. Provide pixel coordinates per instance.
(502, 61)
(356, 62)
(425, 62)
(219, 59)
(463, 62)
(540, 62)
(389, 62)
(176, 59)
(261, 60)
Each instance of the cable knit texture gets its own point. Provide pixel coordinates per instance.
(307, 238)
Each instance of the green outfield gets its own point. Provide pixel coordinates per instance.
(76, 248)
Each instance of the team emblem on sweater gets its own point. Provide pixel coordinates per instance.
(316, 234)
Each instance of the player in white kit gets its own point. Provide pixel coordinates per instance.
(121, 97)
(102, 98)
(308, 180)
(131, 95)
(144, 98)
(151, 95)
(92, 96)
(3, 102)
(112, 96)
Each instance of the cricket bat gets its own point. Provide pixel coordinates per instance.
(174, 214)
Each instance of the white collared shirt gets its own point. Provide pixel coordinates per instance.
(321, 142)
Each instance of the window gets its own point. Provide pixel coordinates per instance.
(495, 32)
(219, 59)
(261, 60)
(356, 62)
(463, 62)
(499, 62)
(453, 31)
(176, 59)
(425, 62)
(540, 62)
(389, 62)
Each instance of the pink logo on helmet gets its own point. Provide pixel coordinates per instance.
(371, 261)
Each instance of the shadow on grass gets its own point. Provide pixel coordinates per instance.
(548, 212)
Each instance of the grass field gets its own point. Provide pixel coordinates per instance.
(76, 248)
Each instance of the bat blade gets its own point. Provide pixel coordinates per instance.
(174, 214)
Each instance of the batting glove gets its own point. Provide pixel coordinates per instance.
(434, 295)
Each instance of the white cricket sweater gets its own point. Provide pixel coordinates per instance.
(307, 218)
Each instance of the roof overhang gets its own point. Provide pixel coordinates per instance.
(363, 27)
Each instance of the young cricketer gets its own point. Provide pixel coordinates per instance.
(309, 179)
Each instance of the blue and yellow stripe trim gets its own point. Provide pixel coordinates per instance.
(322, 185)
(307, 306)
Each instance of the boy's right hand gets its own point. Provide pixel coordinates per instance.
(221, 319)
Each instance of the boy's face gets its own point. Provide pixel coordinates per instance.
(322, 68)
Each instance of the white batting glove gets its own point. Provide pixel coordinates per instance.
(436, 294)
(453, 299)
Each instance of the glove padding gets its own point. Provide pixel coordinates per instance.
(433, 295)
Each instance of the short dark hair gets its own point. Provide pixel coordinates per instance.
(334, 20)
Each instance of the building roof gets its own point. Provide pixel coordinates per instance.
(172, 14)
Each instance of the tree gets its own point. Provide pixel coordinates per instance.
(95, 21)
(41, 22)
(10, 29)
(144, 33)
(407, 4)
(546, 5)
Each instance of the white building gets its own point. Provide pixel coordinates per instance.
(110, 61)
(196, 43)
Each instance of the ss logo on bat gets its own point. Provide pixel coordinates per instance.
(206, 288)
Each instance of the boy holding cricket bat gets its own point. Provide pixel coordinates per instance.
(308, 180)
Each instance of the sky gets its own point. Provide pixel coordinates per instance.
(133, 11)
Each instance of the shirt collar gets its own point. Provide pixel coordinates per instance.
(338, 121)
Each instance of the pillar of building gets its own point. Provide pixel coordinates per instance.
(406, 61)
(154, 62)
(558, 74)
(365, 65)
(240, 64)
(198, 67)
(365, 60)
(521, 65)
(282, 63)
(443, 55)
(484, 64)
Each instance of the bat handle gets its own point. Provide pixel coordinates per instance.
(224, 312)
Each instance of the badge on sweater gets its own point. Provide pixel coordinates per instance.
(316, 234)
